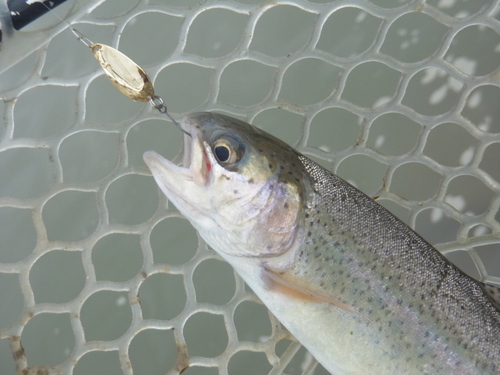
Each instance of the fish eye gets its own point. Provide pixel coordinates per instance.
(222, 153)
(227, 150)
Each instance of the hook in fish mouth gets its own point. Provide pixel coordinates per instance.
(186, 185)
(197, 162)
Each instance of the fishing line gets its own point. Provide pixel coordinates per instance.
(128, 77)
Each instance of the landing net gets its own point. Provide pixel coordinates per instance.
(98, 272)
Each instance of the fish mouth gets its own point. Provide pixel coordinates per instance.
(184, 184)
(158, 165)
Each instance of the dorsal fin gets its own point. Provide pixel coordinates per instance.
(493, 292)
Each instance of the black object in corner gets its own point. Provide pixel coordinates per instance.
(23, 12)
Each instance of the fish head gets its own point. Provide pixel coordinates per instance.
(241, 188)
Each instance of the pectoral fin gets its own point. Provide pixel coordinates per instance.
(279, 283)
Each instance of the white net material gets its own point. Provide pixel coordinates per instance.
(99, 274)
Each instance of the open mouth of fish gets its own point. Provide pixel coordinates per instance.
(187, 170)
(184, 182)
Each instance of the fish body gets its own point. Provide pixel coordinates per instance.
(357, 287)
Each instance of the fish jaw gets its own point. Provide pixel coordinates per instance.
(185, 186)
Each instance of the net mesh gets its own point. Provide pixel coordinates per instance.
(100, 274)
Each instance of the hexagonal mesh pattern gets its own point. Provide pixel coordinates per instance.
(99, 274)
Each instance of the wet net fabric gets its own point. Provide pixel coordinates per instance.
(99, 271)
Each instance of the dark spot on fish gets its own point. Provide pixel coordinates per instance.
(290, 172)
(251, 181)
(309, 234)
(235, 191)
(270, 166)
(285, 206)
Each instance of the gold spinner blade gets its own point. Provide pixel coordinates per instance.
(128, 77)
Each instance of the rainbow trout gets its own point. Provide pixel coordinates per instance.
(357, 287)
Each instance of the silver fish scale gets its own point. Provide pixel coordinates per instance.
(372, 261)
